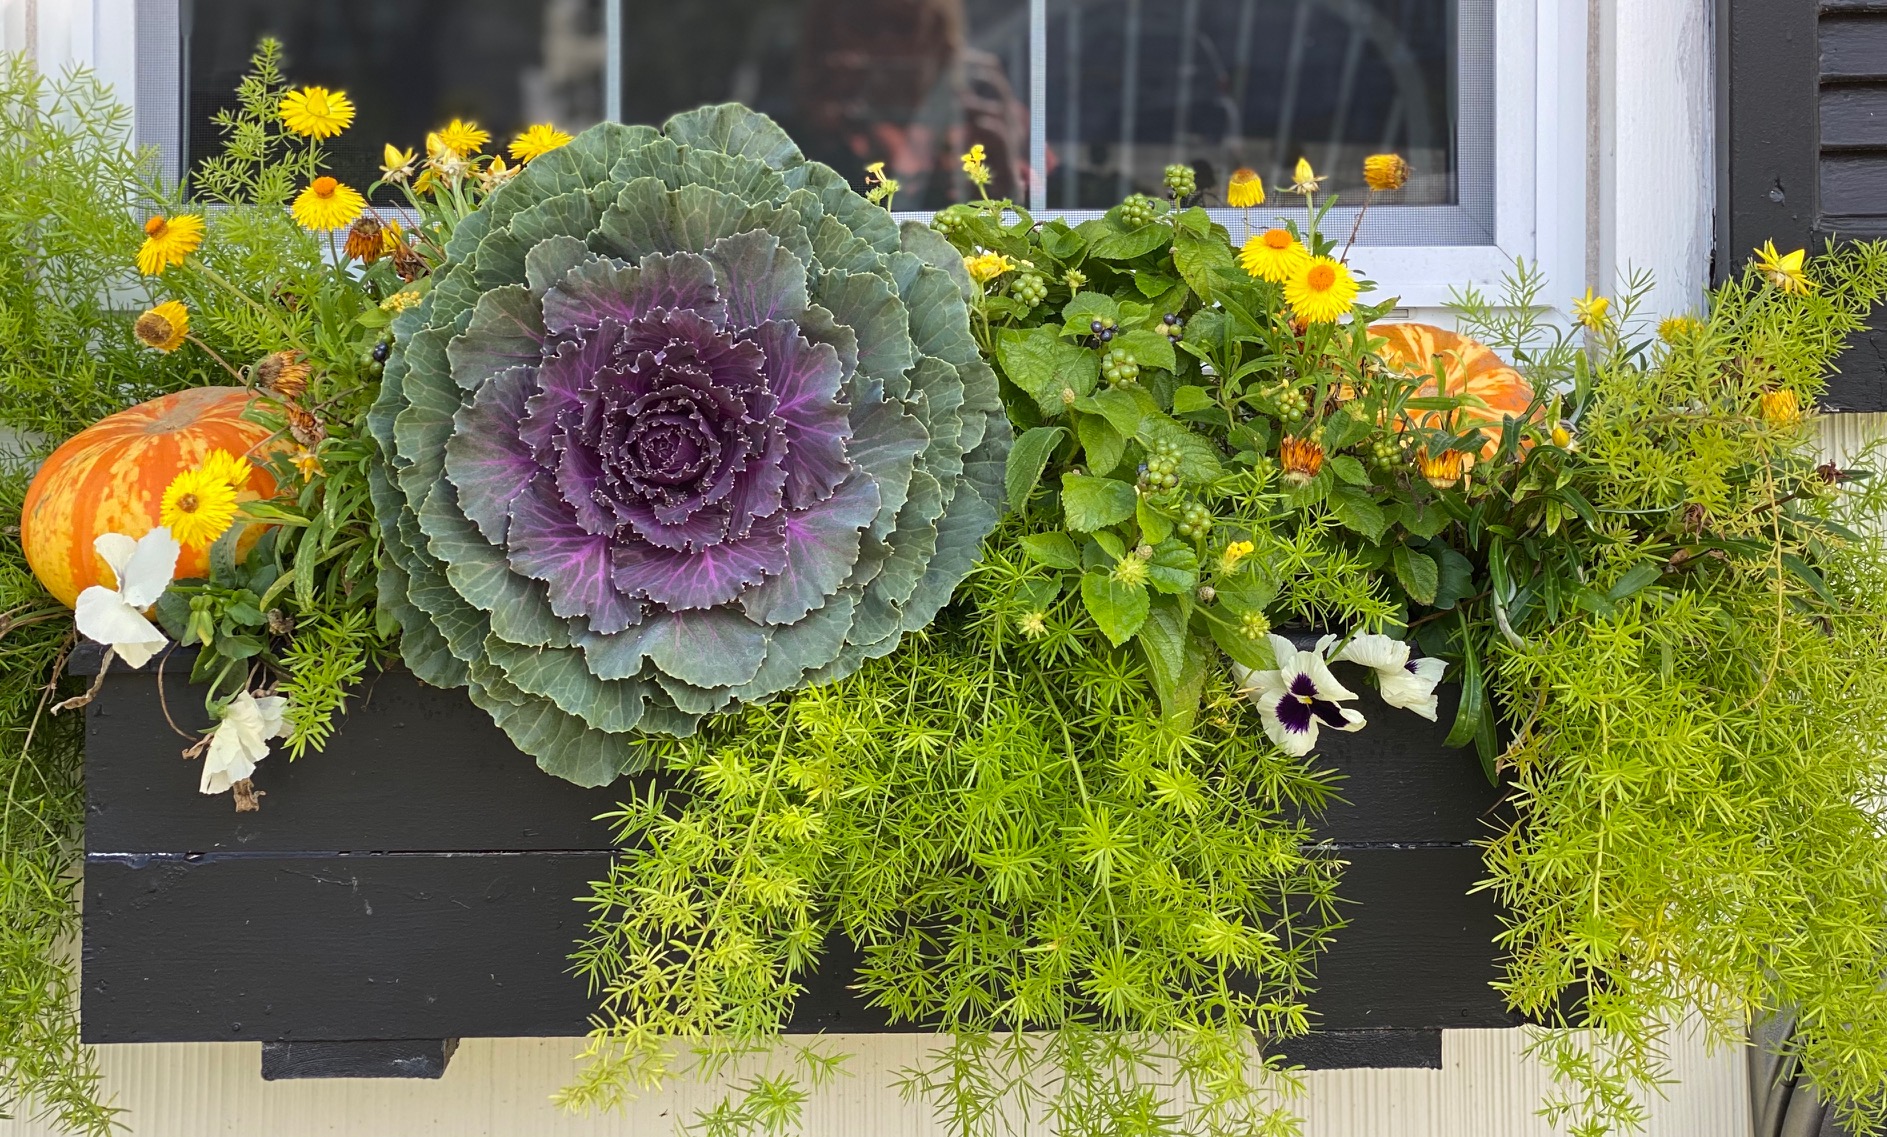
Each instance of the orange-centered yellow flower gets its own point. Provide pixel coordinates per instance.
(1246, 188)
(537, 141)
(167, 241)
(316, 112)
(198, 507)
(327, 204)
(1320, 290)
(462, 138)
(1385, 172)
(1272, 255)
(1785, 270)
(163, 327)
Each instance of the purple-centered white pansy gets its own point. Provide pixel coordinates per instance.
(1298, 698)
(1404, 682)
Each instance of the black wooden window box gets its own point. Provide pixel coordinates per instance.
(418, 883)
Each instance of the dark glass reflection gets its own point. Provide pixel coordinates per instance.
(912, 83)
(408, 65)
(1134, 85)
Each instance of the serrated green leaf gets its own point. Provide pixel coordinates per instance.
(1091, 503)
(1028, 457)
(1154, 525)
(1119, 610)
(1358, 511)
(1121, 407)
(1102, 445)
(1175, 660)
(1149, 348)
(1044, 365)
(1349, 469)
(1418, 575)
(1188, 398)
(1056, 550)
(1174, 568)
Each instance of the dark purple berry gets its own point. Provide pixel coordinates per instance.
(380, 351)
(1095, 326)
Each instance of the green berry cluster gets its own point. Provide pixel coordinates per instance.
(947, 222)
(1139, 209)
(1029, 289)
(1120, 368)
(374, 360)
(1160, 471)
(1181, 182)
(1195, 521)
(1293, 405)
(1385, 453)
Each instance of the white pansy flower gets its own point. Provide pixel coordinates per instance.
(1404, 682)
(1298, 697)
(115, 616)
(242, 739)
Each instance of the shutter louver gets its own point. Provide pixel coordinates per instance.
(1803, 133)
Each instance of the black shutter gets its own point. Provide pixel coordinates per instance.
(1802, 133)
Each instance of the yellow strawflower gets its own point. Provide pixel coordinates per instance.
(537, 141)
(163, 327)
(1671, 329)
(462, 138)
(1592, 310)
(306, 464)
(1272, 255)
(1785, 270)
(327, 204)
(198, 507)
(1444, 470)
(227, 467)
(397, 165)
(316, 112)
(986, 266)
(1781, 407)
(167, 241)
(1246, 189)
(1385, 172)
(1320, 290)
(1305, 180)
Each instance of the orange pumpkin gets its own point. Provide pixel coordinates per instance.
(1468, 367)
(111, 476)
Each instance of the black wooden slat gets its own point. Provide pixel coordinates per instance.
(1396, 780)
(1365, 1049)
(411, 769)
(1853, 118)
(231, 948)
(1853, 46)
(389, 1058)
(1854, 194)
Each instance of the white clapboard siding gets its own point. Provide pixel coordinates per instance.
(501, 1087)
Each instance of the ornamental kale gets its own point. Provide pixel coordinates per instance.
(683, 423)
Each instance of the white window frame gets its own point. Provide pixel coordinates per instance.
(1540, 133)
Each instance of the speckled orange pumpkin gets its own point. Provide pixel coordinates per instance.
(111, 476)
(1468, 367)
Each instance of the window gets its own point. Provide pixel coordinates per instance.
(408, 65)
(1077, 102)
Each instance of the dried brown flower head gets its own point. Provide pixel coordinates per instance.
(365, 242)
(283, 374)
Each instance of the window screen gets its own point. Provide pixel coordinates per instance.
(408, 65)
(1125, 88)
(1135, 85)
(912, 83)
